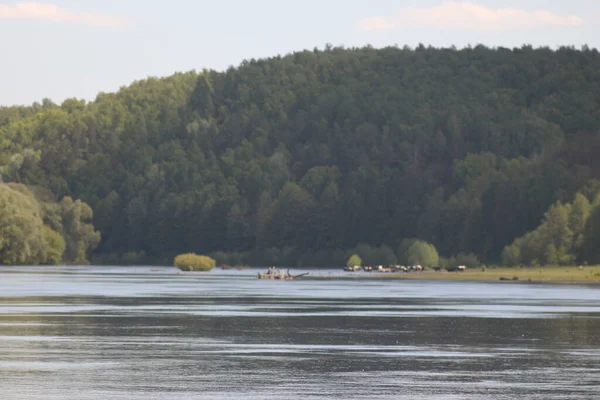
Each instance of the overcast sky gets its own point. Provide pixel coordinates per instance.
(77, 48)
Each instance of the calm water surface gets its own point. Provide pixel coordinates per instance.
(153, 333)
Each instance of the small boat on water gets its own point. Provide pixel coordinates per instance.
(274, 273)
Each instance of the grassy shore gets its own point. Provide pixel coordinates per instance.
(544, 274)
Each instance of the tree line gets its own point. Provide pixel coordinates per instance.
(310, 157)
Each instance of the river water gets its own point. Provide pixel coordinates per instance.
(153, 333)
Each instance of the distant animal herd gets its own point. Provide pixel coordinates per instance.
(402, 268)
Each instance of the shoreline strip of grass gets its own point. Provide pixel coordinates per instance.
(534, 275)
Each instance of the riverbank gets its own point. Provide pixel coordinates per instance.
(546, 274)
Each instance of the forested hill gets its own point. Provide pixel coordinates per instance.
(306, 157)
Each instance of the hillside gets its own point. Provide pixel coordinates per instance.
(302, 158)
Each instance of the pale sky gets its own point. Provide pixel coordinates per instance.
(77, 48)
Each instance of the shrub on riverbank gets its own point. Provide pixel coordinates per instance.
(354, 261)
(422, 253)
(194, 262)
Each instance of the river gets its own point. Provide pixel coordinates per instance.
(153, 333)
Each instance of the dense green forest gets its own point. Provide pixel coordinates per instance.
(308, 158)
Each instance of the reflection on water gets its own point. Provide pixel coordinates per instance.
(148, 333)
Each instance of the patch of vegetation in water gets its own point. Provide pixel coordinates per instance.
(194, 262)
